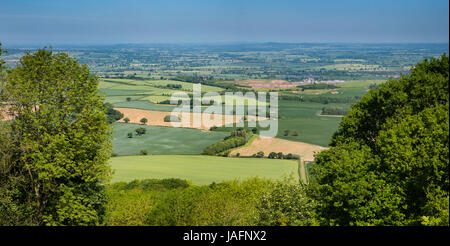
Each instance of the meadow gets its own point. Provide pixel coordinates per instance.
(200, 169)
(161, 140)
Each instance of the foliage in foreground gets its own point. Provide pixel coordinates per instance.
(54, 152)
(172, 202)
(389, 160)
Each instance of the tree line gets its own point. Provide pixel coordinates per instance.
(237, 138)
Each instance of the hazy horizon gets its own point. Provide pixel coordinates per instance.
(102, 22)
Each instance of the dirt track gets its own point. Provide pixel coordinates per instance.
(267, 145)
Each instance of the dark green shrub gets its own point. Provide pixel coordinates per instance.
(272, 155)
(141, 131)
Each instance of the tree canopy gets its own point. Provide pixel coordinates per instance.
(55, 149)
(388, 162)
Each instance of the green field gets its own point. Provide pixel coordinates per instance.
(161, 140)
(154, 91)
(200, 169)
(304, 117)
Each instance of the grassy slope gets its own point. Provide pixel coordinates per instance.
(200, 169)
(163, 140)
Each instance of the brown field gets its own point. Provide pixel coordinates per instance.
(156, 118)
(266, 83)
(267, 145)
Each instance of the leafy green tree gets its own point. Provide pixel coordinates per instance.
(289, 156)
(426, 86)
(389, 160)
(414, 150)
(280, 155)
(144, 121)
(126, 120)
(112, 114)
(350, 192)
(58, 145)
(272, 155)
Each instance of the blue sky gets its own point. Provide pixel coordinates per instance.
(219, 21)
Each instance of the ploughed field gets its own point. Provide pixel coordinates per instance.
(156, 118)
(267, 145)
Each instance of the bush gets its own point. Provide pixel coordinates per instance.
(260, 154)
(288, 156)
(272, 155)
(144, 152)
(141, 131)
(174, 86)
(334, 111)
(126, 120)
(130, 135)
(112, 114)
(170, 118)
(280, 155)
